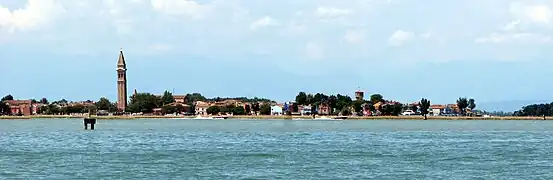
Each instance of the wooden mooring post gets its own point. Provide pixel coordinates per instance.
(89, 120)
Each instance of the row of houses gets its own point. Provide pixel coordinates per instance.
(443, 109)
(23, 107)
(200, 107)
(27, 107)
(437, 110)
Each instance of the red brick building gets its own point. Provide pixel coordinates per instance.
(25, 107)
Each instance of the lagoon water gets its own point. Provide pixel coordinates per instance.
(276, 149)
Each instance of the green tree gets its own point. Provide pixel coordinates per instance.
(44, 101)
(227, 109)
(332, 102)
(343, 101)
(91, 108)
(105, 104)
(369, 106)
(192, 109)
(535, 110)
(77, 108)
(358, 106)
(397, 109)
(213, 110)
(255, 107)
(168, 109)
(375, 98)
(63, 101)
(53, 109)
(462, 103)
(301, 98)
(45, 109)
(387, 109)
(192, 98)
(179, 108)
(424, 106)
(167, 98)
(346, 111)
(4, 108)
(143, 102)
(310, 99)
(265, 109)
(239, 110)
(34, 101)
(8, 97)
(319, 98)
(247, 108)
(472, 104)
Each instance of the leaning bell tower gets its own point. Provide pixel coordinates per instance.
(121, 82)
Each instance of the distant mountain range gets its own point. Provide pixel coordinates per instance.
(507, 106)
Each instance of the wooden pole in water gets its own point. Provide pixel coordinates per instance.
(89, 120)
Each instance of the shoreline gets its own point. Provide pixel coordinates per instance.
(273, 117)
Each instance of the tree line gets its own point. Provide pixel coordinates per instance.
(345, 105)
(146, 103)
(338, 104)
(139, 103)
(544, 109)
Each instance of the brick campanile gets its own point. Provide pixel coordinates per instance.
(121, 82)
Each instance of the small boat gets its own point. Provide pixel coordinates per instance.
(340, 117)
(200, 117)
(322, 118)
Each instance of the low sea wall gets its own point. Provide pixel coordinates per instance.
(279, 117)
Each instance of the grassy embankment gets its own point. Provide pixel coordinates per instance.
(278, 117)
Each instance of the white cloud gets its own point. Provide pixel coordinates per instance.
(529, 25)
(532, 13)
(295, 27)
(512, 26)
(355, 36)
(526, 38)
(400, 37)
(426, 35)
(188, 8)
(36, 13)
(5, 16)
(332, 12)
(264, 22)
(160, 47)
(314, 51)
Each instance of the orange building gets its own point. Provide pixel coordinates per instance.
(24, 107)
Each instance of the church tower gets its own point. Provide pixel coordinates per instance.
(121, 82)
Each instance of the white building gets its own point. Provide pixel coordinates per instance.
(276, 110)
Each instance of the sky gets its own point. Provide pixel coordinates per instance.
(490, 50)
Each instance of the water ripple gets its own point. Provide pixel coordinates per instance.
(188, 149)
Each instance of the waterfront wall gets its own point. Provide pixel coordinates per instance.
(280, 117)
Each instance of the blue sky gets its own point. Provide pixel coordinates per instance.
(491, 50)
